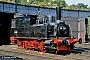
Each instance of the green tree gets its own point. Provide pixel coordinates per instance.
(6, 0)
(17, 1)
(73, 6)
(51, 3)
(24, 2)
(89, 8)
(81, 6)
(63, 3)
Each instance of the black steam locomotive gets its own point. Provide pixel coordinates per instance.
(47, 30)
(40, 26)
(44, 27)
(44, 33)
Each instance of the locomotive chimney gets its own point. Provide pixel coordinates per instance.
(58, 13)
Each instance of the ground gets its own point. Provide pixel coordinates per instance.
(82, 53)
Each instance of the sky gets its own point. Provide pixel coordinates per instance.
(86, 2)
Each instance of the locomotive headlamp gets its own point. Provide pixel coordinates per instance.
(62, 28)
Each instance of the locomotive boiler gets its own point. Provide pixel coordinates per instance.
(44, 33)
(48, 30)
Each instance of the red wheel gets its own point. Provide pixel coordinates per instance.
(25, 48)
(57, 52)
(33, 49)
(44, 51)
(41, 49)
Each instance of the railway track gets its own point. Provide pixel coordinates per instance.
(13, 50)
(25, 55)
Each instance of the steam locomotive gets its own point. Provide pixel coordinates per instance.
(43, 33)
(44, 30)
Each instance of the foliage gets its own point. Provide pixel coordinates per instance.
(51, 3)
(79, 6)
